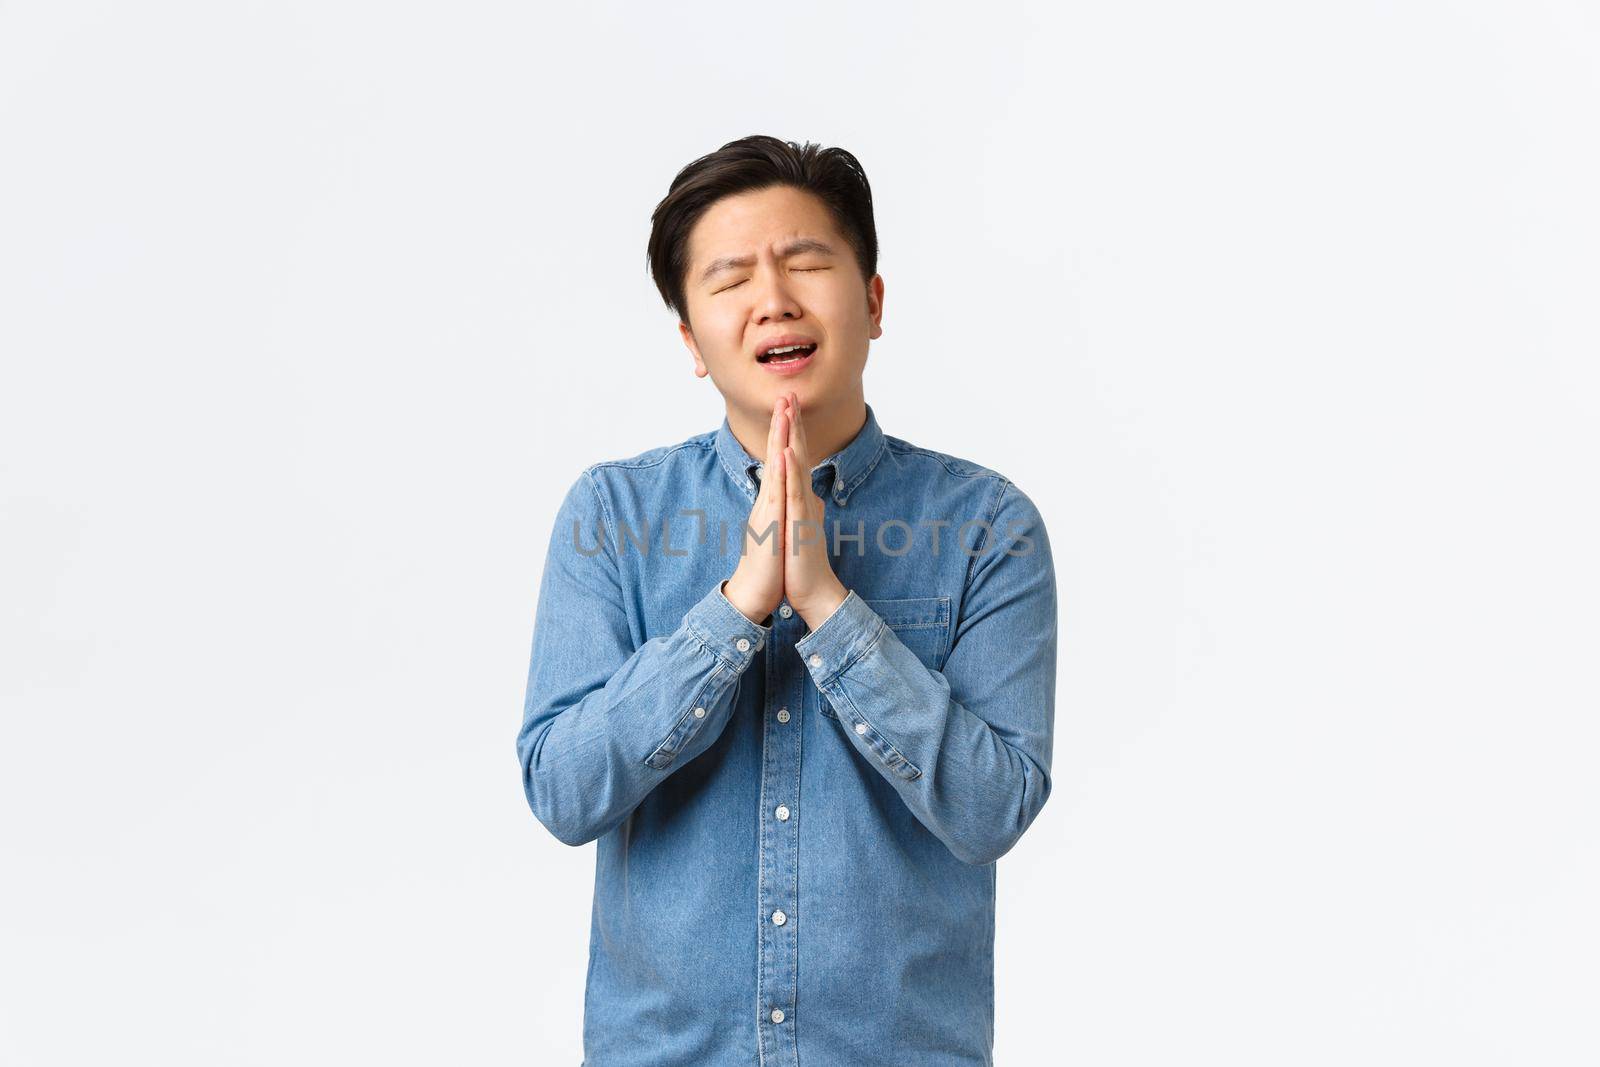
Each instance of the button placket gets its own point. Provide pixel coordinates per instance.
(778, 881)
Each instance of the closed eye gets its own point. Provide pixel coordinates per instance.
(741, 281)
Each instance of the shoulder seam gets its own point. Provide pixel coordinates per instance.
(627, 464)
(972, 560)
(605, 508)
(978, 471)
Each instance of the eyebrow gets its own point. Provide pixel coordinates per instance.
(793, 248)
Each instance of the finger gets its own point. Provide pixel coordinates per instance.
(802, 451)
(780, 480)
(795, 504)
(798, 436)
(772, 451)
(775, 441)
(808, 492)
(785, 424)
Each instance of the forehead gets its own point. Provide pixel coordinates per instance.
(748, 222)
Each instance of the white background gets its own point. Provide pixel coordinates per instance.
(1284, 314)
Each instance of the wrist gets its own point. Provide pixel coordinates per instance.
(735, 596)
(820, 610)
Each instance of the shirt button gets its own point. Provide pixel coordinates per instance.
(777, 1015)
(785, 610)
(742, 645)
(861, 727)
(815, 660)
(783, 714)
(699, 713)
(782, 813)
(779, 918)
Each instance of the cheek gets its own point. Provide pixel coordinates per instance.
(720, 340)
(847, 310)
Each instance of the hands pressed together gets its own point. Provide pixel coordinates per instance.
(792, 563)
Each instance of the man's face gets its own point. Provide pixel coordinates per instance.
(799, 278)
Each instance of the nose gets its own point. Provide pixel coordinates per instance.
(775, 301)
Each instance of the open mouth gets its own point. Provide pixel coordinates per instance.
(786, 354)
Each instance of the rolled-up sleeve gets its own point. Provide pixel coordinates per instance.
(604, 721)
(967, 747)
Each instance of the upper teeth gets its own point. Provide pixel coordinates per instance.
(786, 348)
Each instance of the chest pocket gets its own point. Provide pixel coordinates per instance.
(921, 623)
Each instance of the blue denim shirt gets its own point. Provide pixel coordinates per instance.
(797, 829)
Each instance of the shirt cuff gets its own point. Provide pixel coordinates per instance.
(841, 638)
(725, 630)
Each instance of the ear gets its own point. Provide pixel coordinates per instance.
(687, 334)
(875, 305)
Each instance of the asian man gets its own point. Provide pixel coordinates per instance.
(795, 676)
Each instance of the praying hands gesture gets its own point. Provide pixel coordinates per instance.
(793, 564)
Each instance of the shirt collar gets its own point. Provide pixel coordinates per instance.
(849, 466)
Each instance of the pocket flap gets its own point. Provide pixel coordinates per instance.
(911, 613)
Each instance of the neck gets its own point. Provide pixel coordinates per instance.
(829, 427)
